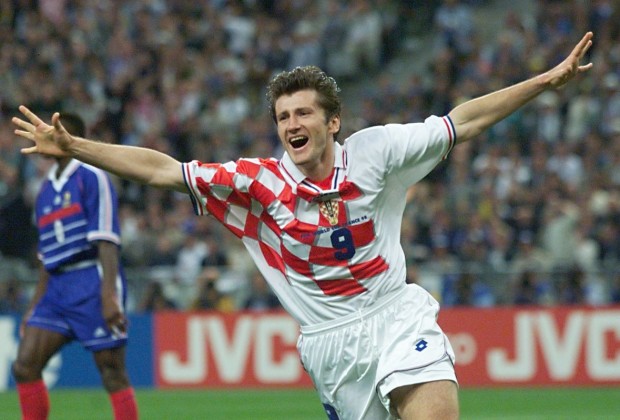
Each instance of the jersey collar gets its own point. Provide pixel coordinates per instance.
(295, 176)
(71, 167)
(306, 188)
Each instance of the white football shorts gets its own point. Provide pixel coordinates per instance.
(355, 362)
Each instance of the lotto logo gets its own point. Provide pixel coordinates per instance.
(331, 412)
(421, 345)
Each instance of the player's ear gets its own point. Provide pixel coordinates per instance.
(333, 125)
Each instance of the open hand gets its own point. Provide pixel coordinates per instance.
(571, 66)
(51, 140)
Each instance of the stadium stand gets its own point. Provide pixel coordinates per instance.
(529, 214)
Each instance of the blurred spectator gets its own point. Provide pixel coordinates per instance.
(208, 296)
(615, 290)
(154, 299)
(468, 290)
(18, 236)
(582, 114)
(559, 235)
(188, 266)
(188, 78)
(500, 251)
(529, 257)
(455, 26)
(13, 299)
(164, 252)
(16, 228)
(567, 165)
(607, 234)
(306, 47)
(440, 271)
(232, 107)
(261, 297)
(362, 43)
(572, 287)
(413, 276)
(548, 118)
(610, 123)
(216, 256)
(530, 290)
(239, 27)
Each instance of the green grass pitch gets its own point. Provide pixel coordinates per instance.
(479, 404)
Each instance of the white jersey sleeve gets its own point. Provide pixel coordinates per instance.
(407, 151)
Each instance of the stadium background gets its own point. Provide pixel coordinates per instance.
(520, 229)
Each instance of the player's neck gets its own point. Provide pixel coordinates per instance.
(62, 164)
(322, 167)
(319, 173)
(325, 182)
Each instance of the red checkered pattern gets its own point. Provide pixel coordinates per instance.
(252, 199)
(323, 269)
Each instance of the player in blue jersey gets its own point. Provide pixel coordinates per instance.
(81, 290)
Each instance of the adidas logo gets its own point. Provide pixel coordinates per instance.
(99, 332)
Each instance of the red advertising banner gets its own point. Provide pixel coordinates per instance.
(207, 349)
(559, 346)
(494, 347)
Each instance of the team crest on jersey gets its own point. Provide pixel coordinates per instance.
(66, 200)
(329, 210)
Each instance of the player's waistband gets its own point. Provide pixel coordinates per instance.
(75, 266)
(357, 316)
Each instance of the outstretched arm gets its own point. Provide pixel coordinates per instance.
(138, 164)
(474, 116)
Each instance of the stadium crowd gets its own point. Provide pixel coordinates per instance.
(528, 215)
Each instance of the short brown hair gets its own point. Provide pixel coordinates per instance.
(302, 78)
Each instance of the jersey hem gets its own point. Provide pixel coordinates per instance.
(354, 317)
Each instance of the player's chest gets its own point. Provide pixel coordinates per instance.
(59, 206)
(327, 221)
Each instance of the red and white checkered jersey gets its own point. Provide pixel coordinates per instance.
(325, 253)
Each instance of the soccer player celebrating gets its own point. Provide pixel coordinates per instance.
(81, 290)
(323, 226)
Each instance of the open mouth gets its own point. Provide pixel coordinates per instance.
(298, 142)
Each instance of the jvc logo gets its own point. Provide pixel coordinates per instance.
(597, 333)
(262, 347)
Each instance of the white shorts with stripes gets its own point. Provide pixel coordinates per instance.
(357, 361)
